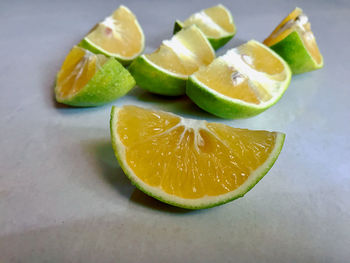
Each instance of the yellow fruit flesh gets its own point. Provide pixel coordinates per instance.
(118, 34)
(228, 81)
(167, 59)
(311, 45)
(275, 36)
(184, 53)
(189, 162)
(78, 68)
(214, 22)
(260, 59)
(222, 18)
(289, 25)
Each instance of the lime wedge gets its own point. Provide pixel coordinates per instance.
(242, 83)
(166, 70)
(216, 23)
(86, 79)
(119, 36)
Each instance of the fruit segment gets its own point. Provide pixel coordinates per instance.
(187, 162)
(242, 83)
(86, 79)
(78, 68)
(184, 53)
(215, 22)
(118, 35)
(296, 43)
(166, 70)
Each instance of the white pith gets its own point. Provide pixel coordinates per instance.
(201, 202)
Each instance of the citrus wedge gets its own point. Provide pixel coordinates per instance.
(216, 23)
(294, 41)
(86, 79)
(166, 70)
(242, 83)
(119, 36)
(190, 163)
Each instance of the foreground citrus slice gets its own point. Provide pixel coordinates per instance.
(216, 23)
(166, 70)
(190, 163)
(294, 41)
(119, 36)
(86, 79)
(244, 82)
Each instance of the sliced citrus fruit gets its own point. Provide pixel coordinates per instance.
(86, 79)
(244, 82)
(216, 23)
(166, 70)
(119, 36)
(294, 41)
(190, 163)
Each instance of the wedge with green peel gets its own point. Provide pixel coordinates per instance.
(216, 23)
(166, 70)
(242, 83)
(119, 36)
(190, 163)
(294, 41)
(86, 79)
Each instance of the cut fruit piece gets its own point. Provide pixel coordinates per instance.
(294, 41)
(216, 23)
(190, 163)
(242, 83)
(119, 36)
(166, 70)
(86, 79)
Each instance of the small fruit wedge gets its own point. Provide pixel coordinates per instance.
(242, 83)
(119, 36)
(86, 79)
(166, 70)
(216, 23)
(190, 163)
(294, 41)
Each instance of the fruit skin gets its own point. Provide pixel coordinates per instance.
(222, 106)
(177, 27)
(216, 43)
(293, 51)
(111, 82)
(119, 153)
(150, 78)
(84, 43)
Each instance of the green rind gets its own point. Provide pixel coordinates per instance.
(216, 43)
(154, 80)
(119, 153)
(177, 27)
(111, 82)
(84, 43)
(223, 106)
(293, 51)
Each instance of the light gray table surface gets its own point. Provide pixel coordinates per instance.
(64, 198)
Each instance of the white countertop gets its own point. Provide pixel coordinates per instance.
(64, 198)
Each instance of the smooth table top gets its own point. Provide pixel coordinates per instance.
(64, 198)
